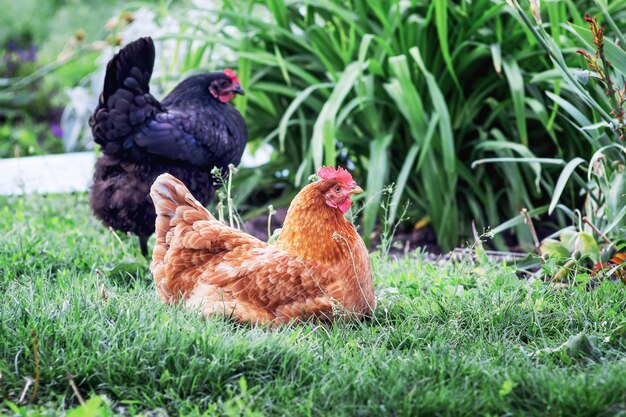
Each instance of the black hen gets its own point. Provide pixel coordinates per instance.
(187, 134)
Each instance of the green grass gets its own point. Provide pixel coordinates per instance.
(427, 351)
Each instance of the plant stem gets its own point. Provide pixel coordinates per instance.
(531, 226)
(610, 89)
(75, 389)
(602, 235)
(33, 335)
(269, 221)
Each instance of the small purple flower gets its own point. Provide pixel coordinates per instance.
(32, 53)
(27, 55)
(56, 130)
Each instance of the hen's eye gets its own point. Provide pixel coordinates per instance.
(337, 188)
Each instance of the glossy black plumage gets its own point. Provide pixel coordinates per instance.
(186, 134)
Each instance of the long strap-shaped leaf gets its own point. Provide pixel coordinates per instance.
(323, 142)
(562, 181)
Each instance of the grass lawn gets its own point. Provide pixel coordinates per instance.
(453, 339)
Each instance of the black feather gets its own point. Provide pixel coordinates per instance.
(186, 134)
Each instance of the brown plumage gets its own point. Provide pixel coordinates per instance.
(319, 266)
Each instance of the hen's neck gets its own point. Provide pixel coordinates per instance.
(313, 230)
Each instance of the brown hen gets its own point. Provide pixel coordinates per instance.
(319, 267)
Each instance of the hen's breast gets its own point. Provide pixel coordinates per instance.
(354, 273)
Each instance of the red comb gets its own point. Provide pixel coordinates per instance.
(330, 173)
(232, 75)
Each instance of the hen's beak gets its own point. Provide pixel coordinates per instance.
(238, 90)
(356, 190)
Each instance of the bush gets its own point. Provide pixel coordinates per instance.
(39, 57)
(425, 95)
(593, 100)
(409, 93)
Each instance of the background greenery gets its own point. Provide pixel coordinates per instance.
(40, 57)
(440, 98)
(413, 93)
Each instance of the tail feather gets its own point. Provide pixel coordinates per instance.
(188, 238)
(125, 103)
(173, 204)
(130, 69)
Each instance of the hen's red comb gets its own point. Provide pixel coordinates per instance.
(330, 173)
(232, 75)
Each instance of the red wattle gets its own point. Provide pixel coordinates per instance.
(345, 205)
(225, 98)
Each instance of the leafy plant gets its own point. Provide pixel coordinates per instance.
(39, 57)
(593, 100)
(397, 92)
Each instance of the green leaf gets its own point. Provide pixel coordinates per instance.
(522, 150)
(378, 165)
(567, 237)
(516, 84)
(94, 407)
(549, 161)
(128, 266)
(496, 57)
(282, 64)
(587, 245)
(404, 94)
(507, 387)
(519, 219)
(562, 181)
(401, 181)
(293, 106)
(580, 118)
(324, 128)
(279, 11)
(554, 249)
(579, 346)
(618, 218)
(600, 154)
(428, 137)
(441, 17)
(244, 69)
(441, 108)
